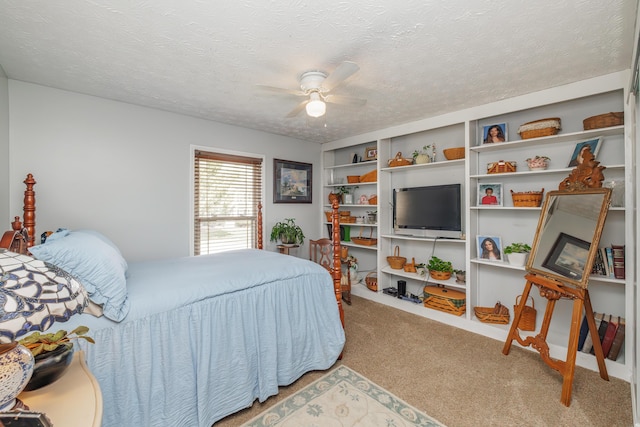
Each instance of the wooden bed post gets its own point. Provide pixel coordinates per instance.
(260, 244)
(336, 271)
(29, 214)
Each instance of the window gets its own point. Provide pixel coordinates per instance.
(227, 189)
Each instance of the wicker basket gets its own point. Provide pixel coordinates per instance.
(373, 200)
(454, 153)
(353, 179)
(501, 166)
(396, 261)
(497, 314)
(528, 318)
(443, 299)
(410, 267)
(398, 160)
(527, 199)
(603, 121)
(371, 280)
(371, 176)
(365, 241)
(540, 128)
(440, 275)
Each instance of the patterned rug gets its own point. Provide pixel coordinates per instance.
(342, 398)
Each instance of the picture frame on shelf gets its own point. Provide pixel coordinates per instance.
(494, 133)
(292, 181)
(489, 248)
(576, 157)
(490, 194)
(568, 256)
(371, 153)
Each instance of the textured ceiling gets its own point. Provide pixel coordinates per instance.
(417, 58)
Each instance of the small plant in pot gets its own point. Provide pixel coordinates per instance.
(461, 276)
(346, 193)
(538, 162)
(517, 253)
(52, 353)
(287, 232)
(439, 269)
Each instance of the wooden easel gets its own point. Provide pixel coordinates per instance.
(586, 176)
(553, 290)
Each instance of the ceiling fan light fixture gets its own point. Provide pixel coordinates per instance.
(316, 106)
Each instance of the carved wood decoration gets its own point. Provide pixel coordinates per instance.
(588, 174)
(260, 243)
(29, 215)
(336, 272)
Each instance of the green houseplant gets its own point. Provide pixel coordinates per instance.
(287, 232)
(517, 253)
(439, 269)
(346, 193)
(39, 343)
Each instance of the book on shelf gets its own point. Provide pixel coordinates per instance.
(609, 260)
(584, 330)
(610, 334)
(602, 329)
(605, 263)
(617, 252)
(618, 341)
(598, 265)
(588, 342)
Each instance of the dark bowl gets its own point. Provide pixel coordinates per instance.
(49, 367)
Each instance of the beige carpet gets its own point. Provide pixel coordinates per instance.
(461, 378)
(343, 398)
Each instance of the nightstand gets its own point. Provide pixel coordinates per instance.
(74, 400)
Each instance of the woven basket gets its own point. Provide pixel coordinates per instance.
(539, 128)
(373, 200)
(398, 160)
(365, 241)
(440, 275)
(528, 318)
(603, 121)
(410, 267)
(454, 153)
(501, 166)
(527, 199)
(371, 176)
(497, 314)
(353, 179)
(443, 299)
(371, 281)
(396, 261)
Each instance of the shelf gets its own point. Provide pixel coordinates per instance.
(349, 184)
(373, 163)
(422, 239)
(554, 139)
(426, 279)
(353, 245)
(564, 171)
(353, 205)
(459, 162)
(354, 224)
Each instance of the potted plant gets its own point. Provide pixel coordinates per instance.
(52, 353)
(346, 193)
(439, 269)
(461, 276)
(425, 155)
(517, 253)
(538, 163)
(287, 232)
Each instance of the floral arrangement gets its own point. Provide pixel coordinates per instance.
(427, 150)
(537, 161)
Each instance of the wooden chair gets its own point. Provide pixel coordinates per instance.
(321, 252)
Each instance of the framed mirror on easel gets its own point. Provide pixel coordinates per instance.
(562, 255)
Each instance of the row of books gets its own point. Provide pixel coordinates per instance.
(609, 262)
(610, 332)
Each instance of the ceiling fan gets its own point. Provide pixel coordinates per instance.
(316, 85)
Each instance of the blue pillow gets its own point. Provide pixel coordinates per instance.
(96, 262)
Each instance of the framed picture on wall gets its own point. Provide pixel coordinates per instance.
(292, 181)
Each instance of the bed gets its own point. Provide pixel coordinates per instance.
(191, 340)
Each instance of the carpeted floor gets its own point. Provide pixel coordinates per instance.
(461, 378)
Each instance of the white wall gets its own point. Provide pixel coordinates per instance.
(124, 170)
(4, 153)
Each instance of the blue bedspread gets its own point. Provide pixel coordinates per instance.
(208, 335)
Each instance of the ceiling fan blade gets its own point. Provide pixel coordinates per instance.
(296, 92)
(345, 100)
(298, 109)
(340, 74)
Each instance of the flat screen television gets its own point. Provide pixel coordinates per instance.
(431, 211)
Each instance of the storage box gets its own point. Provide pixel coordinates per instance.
(501, 166)
(444, 299)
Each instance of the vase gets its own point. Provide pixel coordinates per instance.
(49, 366)
(517, 258)
(347, 199)
(422, 159)
(16, 367)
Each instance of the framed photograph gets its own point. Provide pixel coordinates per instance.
(489, 248)
(370, 153)
(568, 256)
(576, 157)
(292, 181)
(494, 133)
(490, 194)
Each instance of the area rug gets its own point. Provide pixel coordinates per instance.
(342, 398)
